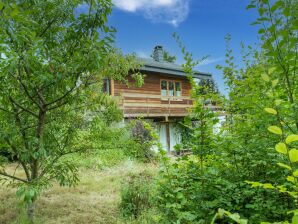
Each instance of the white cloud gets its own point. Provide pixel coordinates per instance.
(209, 61)
(167, 11)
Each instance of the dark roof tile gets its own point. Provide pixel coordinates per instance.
(169, 68)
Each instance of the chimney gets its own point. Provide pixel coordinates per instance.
(158, 53)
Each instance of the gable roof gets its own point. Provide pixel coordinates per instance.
(150, 65)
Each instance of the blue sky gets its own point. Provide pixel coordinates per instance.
(201, 25)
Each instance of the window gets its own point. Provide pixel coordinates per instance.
(177, 88)
(170, 88)
(164, 88)
(106, 86)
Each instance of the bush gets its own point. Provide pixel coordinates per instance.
(188, 195)
(109, 143)
(141, 141)
(136, 195)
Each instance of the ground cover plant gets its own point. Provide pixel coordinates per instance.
(96, 199)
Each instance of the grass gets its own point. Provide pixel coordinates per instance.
(95, 200)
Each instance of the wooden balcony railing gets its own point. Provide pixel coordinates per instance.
(149, 105)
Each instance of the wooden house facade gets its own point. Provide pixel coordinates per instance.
(164, 97)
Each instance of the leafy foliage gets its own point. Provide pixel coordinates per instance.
(136, 195)
(142, 141)
(193, 187)
(167, 57)
(53, 59)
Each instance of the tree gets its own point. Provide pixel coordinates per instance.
(168, 57)
(262, 94)
(208, 86)
(266, 83)
(53, 59)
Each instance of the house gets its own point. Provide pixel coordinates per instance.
(164, 98)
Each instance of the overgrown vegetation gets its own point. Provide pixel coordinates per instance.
(108, 144)
(95, 199)
(52, 62)
(245, 173)
(136, 195)
(262, 95)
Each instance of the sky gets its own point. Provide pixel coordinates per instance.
(201, 24)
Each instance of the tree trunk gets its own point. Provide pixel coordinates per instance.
(31, 211)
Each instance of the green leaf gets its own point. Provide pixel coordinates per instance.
(269, 94)
(243, 221)
(282, 188)
(274, 82)
(20, 192)
(293, 154)
(277, 102)
(284, 166)
(295, 211)
(251, 6)
(295, 173)
(271, 111)
(261, 31)
(265, 77)
(268, 186)
(295, 219)
(256, 184)
(221, 212)
(291, 179)
(1, 5)
(275, 130)
(291, 138)
(276, 6)
(281, 148)
(271, 70)
(14, 12)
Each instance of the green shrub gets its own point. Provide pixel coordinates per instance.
(110, 143)
(141, 141)
(187, 195)
(137, 195)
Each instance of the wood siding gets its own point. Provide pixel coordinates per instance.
(146, 101)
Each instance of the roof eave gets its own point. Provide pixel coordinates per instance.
(175, 72)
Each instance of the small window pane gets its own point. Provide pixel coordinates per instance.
(171, 88)
(163, 87)
(178, 88)
(106, 86)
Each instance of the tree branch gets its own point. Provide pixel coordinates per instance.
(7, 111)
(65, 94)
(13, 177)
(14, 149)
(40, 96)
(58, 105)
(47, 27)
(23, 108)
(24, 86)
